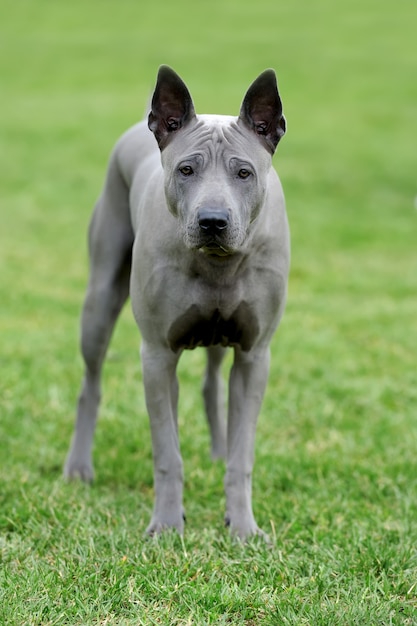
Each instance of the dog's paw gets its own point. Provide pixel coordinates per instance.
(244, 531)
(159, 524)
(78, 471)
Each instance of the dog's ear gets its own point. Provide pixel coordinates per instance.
(261, 110)
(172, 106)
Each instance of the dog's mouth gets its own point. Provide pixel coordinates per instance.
(213, 248)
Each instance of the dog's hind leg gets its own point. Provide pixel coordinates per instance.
(110, 246)
(213, 394)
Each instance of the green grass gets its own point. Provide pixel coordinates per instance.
(335, 479)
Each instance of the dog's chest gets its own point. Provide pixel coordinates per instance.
(196, 328)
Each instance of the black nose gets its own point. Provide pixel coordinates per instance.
(213, 221)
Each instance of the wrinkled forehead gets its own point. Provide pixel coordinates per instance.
(217, 136)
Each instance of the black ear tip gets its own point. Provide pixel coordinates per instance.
(169, 78)
(165, 72)
(268, 77)
(266, 82)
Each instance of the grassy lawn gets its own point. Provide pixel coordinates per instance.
(335, 481)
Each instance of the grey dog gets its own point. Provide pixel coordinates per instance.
(196, 233)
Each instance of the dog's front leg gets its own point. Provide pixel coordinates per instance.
(161, 391)
(248, 380)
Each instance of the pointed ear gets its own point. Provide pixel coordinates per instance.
(172, 106)
(261, 110)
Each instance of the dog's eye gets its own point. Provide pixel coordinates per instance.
(243, 174)
(186, 170)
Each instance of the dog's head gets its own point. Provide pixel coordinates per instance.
(216, 166)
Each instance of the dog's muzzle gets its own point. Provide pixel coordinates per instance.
(213, 224)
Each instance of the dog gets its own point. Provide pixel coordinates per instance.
(193, 227)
